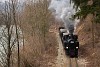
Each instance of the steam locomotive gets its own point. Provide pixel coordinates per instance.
(70, 42)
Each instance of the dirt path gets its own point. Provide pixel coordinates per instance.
(61, 58)
(64, 61)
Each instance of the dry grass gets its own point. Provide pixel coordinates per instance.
(35, 53)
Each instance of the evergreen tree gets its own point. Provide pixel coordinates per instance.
(85, 8)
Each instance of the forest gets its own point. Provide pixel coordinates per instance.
(29, 33)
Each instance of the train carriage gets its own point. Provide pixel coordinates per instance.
(61, 31)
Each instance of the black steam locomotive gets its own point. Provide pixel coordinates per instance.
(70, 42)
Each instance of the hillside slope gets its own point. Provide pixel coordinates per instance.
(84, 31)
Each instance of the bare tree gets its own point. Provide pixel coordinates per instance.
(14, 6)
(9, 36)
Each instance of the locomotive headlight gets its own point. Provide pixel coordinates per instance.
(66, 47)
(76, 47)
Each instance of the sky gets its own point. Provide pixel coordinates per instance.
(3, 0)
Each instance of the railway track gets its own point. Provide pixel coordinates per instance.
(73, 62)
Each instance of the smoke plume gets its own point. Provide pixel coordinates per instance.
(63, 10)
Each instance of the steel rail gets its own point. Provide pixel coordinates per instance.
(73, 62)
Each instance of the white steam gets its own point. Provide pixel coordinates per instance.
(63, 10)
